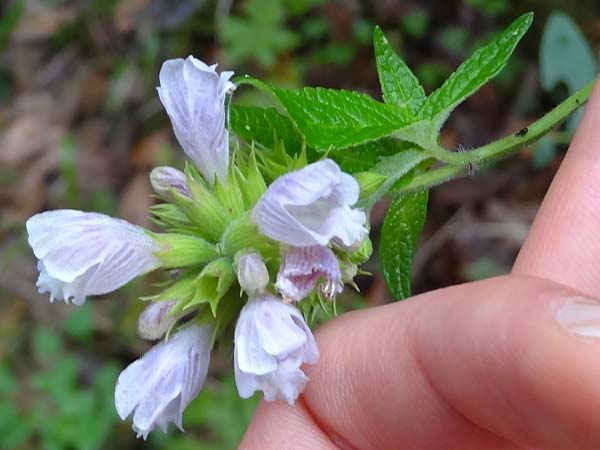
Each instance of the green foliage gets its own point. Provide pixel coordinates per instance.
(9, 20)
(62, 412)
(331, 118)
(489, 7)
(483, 65)
(399, 234)
(265, 126)
(398, 84)
(415, 23)
(260, 35)
(394, 168)
(564, 47)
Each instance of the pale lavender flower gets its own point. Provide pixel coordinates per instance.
(303, 267)
(193, 94)
(272, 341)
(312, 206)
(252, 273)
(155, 320)
(83, 253)
(158, 386)
(165, 178)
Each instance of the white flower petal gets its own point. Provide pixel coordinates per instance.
(252, 273)
(158, 386)
(311, 206)
(85, 254)
(301, 269)
(281, 342)
(193, 95)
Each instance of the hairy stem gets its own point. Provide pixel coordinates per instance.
(463, 163)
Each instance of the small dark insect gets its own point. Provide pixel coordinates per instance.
(522, 132)
(577, 101)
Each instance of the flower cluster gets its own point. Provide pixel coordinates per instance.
(287, 241)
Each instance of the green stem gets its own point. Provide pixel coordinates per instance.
(460, 164)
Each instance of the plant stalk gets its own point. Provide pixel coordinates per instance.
(464, 163)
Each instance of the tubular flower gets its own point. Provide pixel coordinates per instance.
(165, 178)
(155, 320)
(82, 253)
(312, 206)
(271, 342)
(158, 386)
(303, 267)
(193, 94)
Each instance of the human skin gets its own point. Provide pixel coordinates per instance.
(506, 363)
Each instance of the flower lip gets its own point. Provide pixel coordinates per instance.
(83, 254)
(173, 372)
(312, 206)
(272, 341)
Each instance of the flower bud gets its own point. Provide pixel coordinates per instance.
(165, 178)
(252, 273)
(155, 320)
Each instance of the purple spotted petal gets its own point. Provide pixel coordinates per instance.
(301, 269)
(83, 253)
(312, 206)
(158, 386)
(193, 94)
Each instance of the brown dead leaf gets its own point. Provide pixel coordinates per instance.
(144, 155)
(136, 200)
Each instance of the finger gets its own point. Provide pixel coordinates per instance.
(276, 425)
(564, 243)
(479, 366)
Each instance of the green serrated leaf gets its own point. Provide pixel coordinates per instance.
(398, 84)
(394, 167)
(399, 234)
(265, 126)
(330, 118)
(361, 158)
(483, 65)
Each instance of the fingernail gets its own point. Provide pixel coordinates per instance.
(580, 316)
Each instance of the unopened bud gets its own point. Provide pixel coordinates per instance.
(155, 320)
(348, 270)
(252, 273)
(165, 178)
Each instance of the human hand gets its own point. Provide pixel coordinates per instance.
(507, 363)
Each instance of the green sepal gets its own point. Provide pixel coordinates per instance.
(182, 290)
(369, 182)
(227, 311)
(252, 180)
(203, 209)
(242, 234)
(229, 194)
(362, 254)
(170, 218)
(212, 284)
(182, 250)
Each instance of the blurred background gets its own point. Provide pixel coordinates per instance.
(81, 126)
